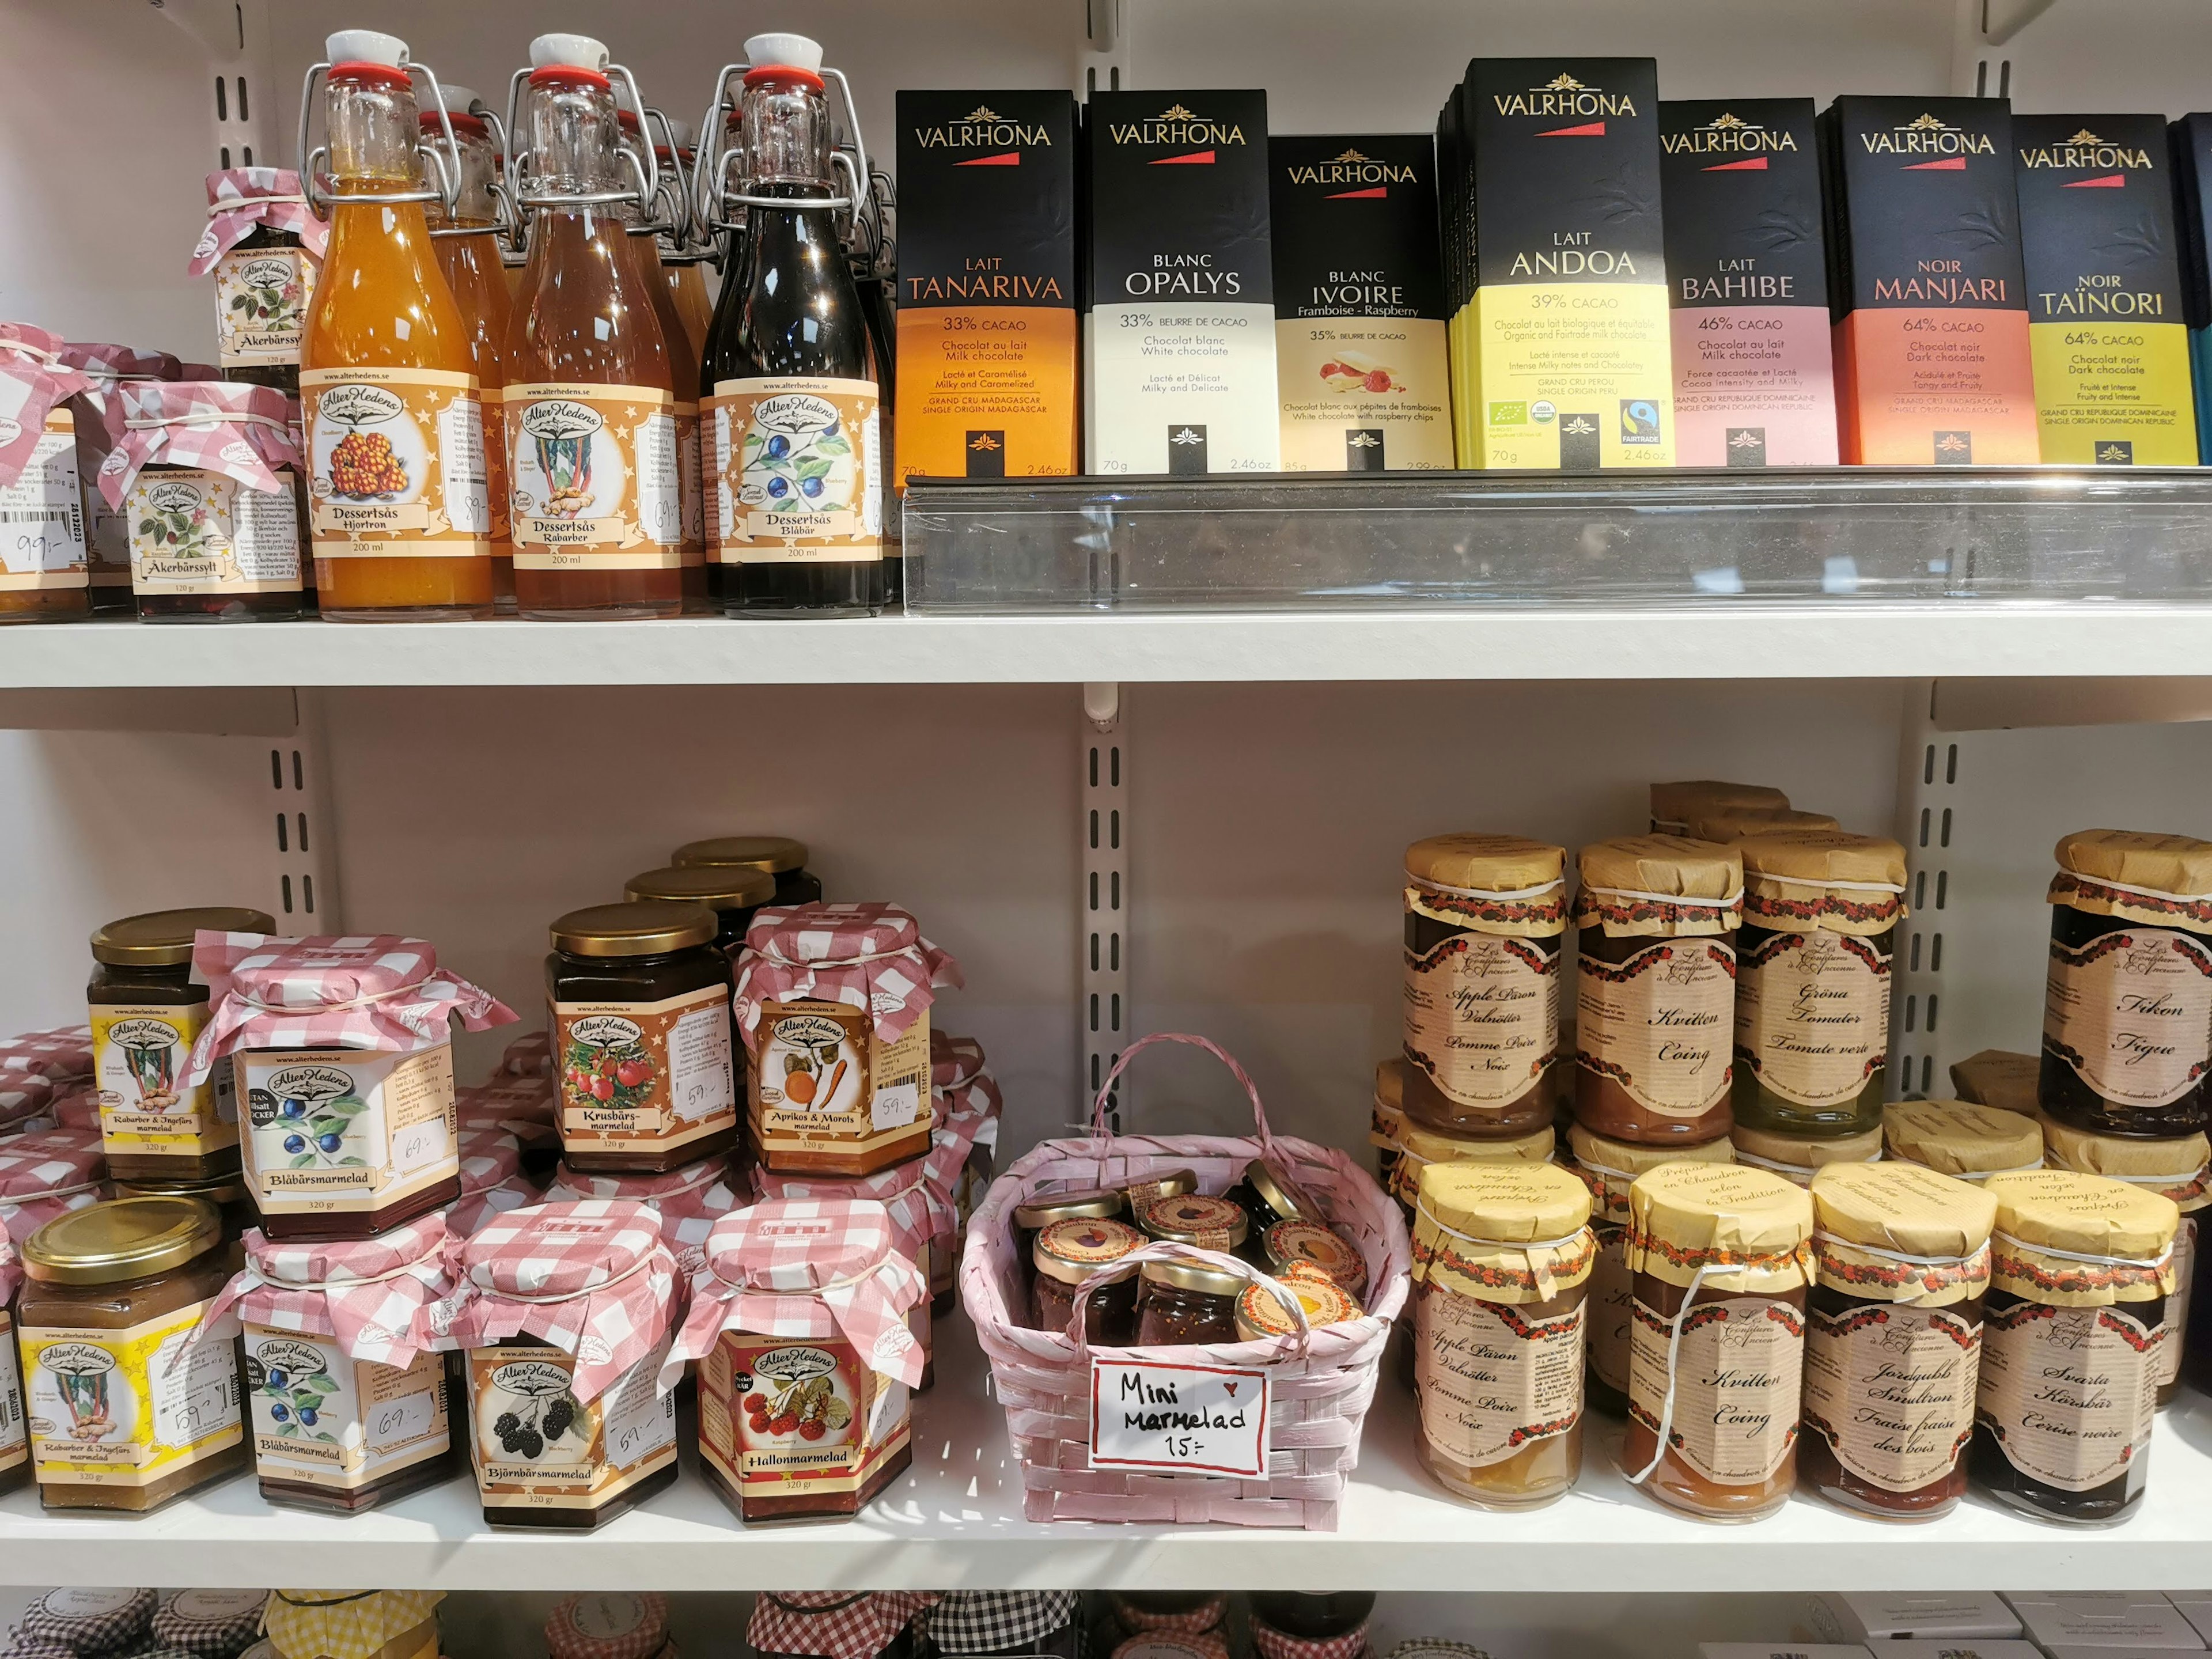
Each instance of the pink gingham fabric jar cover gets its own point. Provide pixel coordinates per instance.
(529, 1055)
(626, 1626)
(592, 1278)
(819, 1268)
(832, 1623)
(23, 1094)
(108, 370)
(76, 1106)
(368, 1294)
(870, 956)
(11, 1270)
(492, 1181)
(48, 1173)
(32, 381)
(239, 198)
(691, 1199)
(63, 1054)
(243, 432)
(920, 1215)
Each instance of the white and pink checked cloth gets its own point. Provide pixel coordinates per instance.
(806, 1267)
(506, 1101)
(63, 1054)
(529, 1055)
(48, 1173)
(920, 1214)
(24, 1095)
(591, 1279)
(243, 432)
(239, 199)
(108, 369)
(368, 1294)
(691, 1199)
(870, 956)
(578, 1631)
(32, 379)
(832, 1623)
(492, 1181)
(357, 991)
(1271, 1643)
(76, 1106)
(11, 1270)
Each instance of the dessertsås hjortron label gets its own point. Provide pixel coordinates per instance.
(44, 539)
(138, 1055)
(594, 477)
(262, 295)
(796, 472)
(1736, 1383)
(1482, 1016)
(1812, 1014)
(1660, 1024)
(645, 1077)
(2069, 1392)
(2130, 1013)
(535, 1446)
(1494, 1379)
(396, 462)
(1891, 1388)
(345, 1129)
(194, 531)
(325, 1418)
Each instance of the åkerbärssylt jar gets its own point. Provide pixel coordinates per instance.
(1998, 1078)
(1067, 1253)
(1673, 805)
(264, 246)
(1953, 1138)
(780, 856)
(1655, 987)
(1798, 1158)
(14, 1441)
(1893, 1346)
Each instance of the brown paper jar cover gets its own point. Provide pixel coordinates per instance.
(2172, 1166)
(1476, 1223)
(1418, 1148)
(1901, 1209)
(1998, 1078)
(1673, 805)
(1795, 878)
(1608, 1167)
(2177, 869)
(1659, 887)
(2127, 1229)
(1955, 1138)
(1483, 868)
(1797, 1159)
(1748, 1228)
(1730, 824)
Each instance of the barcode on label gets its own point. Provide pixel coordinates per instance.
(50, 515)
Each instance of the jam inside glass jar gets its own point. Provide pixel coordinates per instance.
(1069, 1253)
(1185, 1301)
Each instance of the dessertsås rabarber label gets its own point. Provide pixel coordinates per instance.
(594, 476)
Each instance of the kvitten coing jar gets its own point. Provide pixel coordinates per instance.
(1655, 988)
(1673, 805)
(2127, 1006)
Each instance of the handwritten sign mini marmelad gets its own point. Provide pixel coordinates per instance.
(1197, 1419)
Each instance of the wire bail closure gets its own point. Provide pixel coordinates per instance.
(646, 170)
(710, 171)
(448, 191)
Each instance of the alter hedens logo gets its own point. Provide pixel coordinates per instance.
(1353, 168)
(2087, 152)
(1925, 135)
(1565, 95)
(984, 128)
(1177, 126)
(1730, 135)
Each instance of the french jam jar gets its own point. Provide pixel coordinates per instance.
(2127, 1002)
(1892, 1339)
(1820, 909)
(14, 1441)
(1267, 1196)
(1798, 1158)
(1418, 1148)
(1655, 987)
(1953, 1138)
(1387, 1121)
(1998, 1078)
(1673, 805)
(1502, 1256)
(1484, 916)
(2080, 1273)
(367, 1624)
(1067, 1253)
(1160, 1183)
(778, 855)
(113, 1291)
(146, 1012)
(642, 1037)
(1186, 1302)
(1716, 1338)
(731, 891)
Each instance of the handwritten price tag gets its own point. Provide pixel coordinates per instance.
(1204, 1419)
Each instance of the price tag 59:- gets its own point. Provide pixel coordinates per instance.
(1196, 1420)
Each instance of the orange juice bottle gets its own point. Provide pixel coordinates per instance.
(387, 380)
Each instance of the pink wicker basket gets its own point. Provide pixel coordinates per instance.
(1321, 1381)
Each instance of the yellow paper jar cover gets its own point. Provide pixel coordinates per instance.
(1502, 885)
(1608, 1166)
(1418, 1148)
(2079, 1240)
(2161, 880)
(1730, 824)
(1998, 1078)
(1748, 1228)
(350, 1624)
(2172, 1166)
(1867, 1216)
(1954, 1138)
(1658, 887)
(1501, 1233)
(1673, 805)
(1797, 1157)
(1795, 880)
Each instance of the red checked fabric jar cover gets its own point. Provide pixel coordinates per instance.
(833, 1002)
(47, 1173)
(831, 1624)
(565, 1310)
(63, 1054)
(798, 1322)
(39, 480)
(345, 1060)
(14, 1442)
(349, 1403)
(265, 247)
(963, 1148)
(691, 1201)
(99, 413)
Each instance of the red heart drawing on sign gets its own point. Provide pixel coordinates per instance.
(1232, 1388)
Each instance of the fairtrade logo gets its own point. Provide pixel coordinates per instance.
(1639, 421)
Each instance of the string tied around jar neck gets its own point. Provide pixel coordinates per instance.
(1687, 900)
(1961, 1266)
(1513, 896)
(1789, 1172)
(2155, 1264)
(628, 1273)
(204, 417)
(235, 204)
(1539, 1267)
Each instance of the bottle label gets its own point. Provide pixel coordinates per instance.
(498, 497)
(396, 464)
(2069, 1392)
(822, 1082)
(690, 483)
(323, 1417)
(346, 1130)
(1611, 1289)
(1659, 1023)
(645, 1077)
(1812, 1015)
(535, 1446)
(783, 1419)
(43, 536)
(203, 533)
(1492, 1381)
(127, 1407)
(2177, 1317)
(1736, 1377)
(261, 299)
(592, 477)
(15, 1439)
(138, 1056)
(1891, 1388)
(1482, 1016)
(2131, 1013)
(798, 470)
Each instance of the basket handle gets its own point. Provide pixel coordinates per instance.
(1279, 1165)
(1167, 1250)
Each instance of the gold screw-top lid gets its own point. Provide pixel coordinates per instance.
(163, 938)
(1070, 1251)
(122, 1238)
(1046, 1208)
(641, 927)
(1728, 824)
(2127, 1229)
(1264, 1181)
(1956, 1138)
(1673, 805)
(717, 886)
(1746, 1227)
(2171, 1165)
(1260, 1315)
(1797, 1157)
(1627, 884)
(1998, 1078)
(770, 853)
(1214, 1223)
(1194, 1276)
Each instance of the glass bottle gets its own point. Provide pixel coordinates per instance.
(400, 514)
(793, 371)
(591, 422)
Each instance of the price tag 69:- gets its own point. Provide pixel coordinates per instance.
(1197, 1419)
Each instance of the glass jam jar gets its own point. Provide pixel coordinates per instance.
(1387, 1124)
(640, 1002)
(263, 246)
(1971, 1143)
(1064, 1255)
(2080, 1273)
(1035, 1624)
(1901, 1266)
(1186, 1302)
(1673, 805)
(1820, 909)
(2127, 1004)
(733, 891)
(1419, 1147)
(780, 856)
(1288, 1245)
(1193, 1219)
(1998, 1078)
(1607, 1167)
(1655, 987)
(114, 1290)
(1484, 916)
(146, 1013)
(1798, 1158)
(1043, 1209)
(1332, 1625)
(1261, 1316)
(230, 1194)
(1502, 1256)
(14, 1442)
(1717, 1341)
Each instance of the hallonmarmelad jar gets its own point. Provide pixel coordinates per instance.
(2081, 1271)
(1502, 1257)
(1716, 1346)
(1673, 805)
(119, 1417)
(1607, 1167)
(1655, 987)
(1798, 1158)
(1820, 909)
(14, 1441)
(780, 856)
(146, 1012)
(1953, 1138)
(1483, 914)
(642, 1037)
(2127, 1004)
(1893, 1348)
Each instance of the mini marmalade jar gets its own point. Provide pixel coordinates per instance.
(114, 1290)
(146, 1013)
(1193, 1219)
(780, 856)
(14, 1441)
(1820, 909)
(2081, 1271)
(2127, 1004)
(1968, 1142)
(1483, 914)
(1607, 1167)
(1326, 1251)
(1673, 805)
(642, 1037)
(1717, 1347)
(1183, 1303)
(1262, 1315)
(1655, 987)
(1893, 1342)
(1067, 1253)
(1798, 1158)
(1041, 1210)
(1502, 1256)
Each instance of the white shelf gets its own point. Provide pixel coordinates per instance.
(955, 1524)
